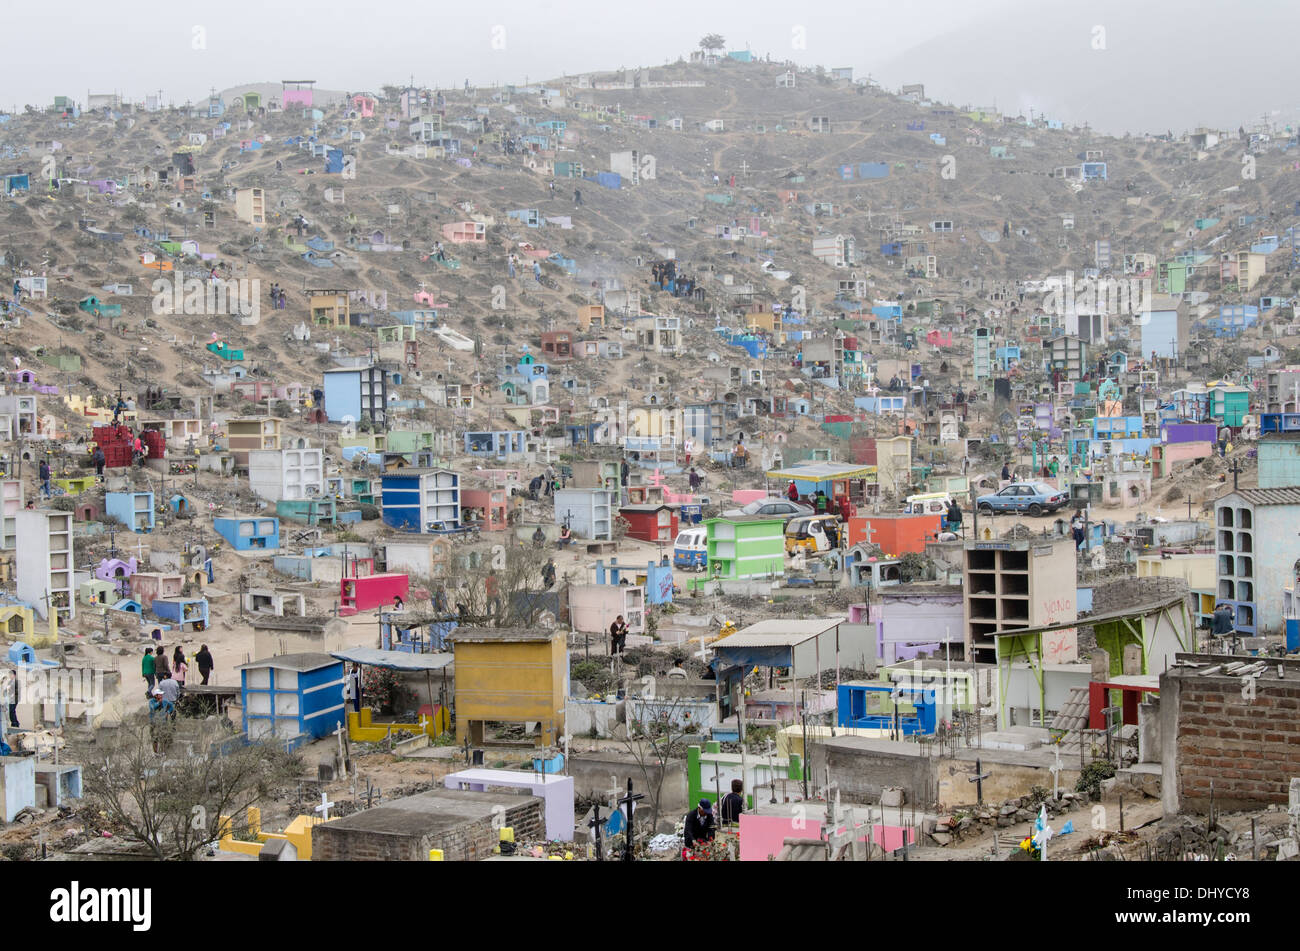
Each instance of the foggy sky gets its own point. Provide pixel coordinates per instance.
(1166, 63)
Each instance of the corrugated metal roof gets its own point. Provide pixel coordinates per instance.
(778, 633)
(393, 660)
(1287, 496)
(1149, 607)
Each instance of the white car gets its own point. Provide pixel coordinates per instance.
(770, 507)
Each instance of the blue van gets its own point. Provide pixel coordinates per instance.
(690, 550)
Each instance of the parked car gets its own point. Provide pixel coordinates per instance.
(769, 507)
(1033, 498)
(690, 549)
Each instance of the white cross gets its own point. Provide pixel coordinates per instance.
(324, 807)
(1056, 773)
(1041, 839)
(744, 168)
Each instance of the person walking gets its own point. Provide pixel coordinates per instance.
(695, 480)
(510, 264)
(204, 661)
(792, 491)
(162, 669)
(179, 667)
(12, 696)
(98, 459)
(537, 272)
(954, 516)
(148, 671)
(1076, 529)
(44, 472)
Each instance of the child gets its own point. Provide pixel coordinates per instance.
(179, 666)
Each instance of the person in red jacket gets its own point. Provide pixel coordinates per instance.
(792, 492)
(846, 509)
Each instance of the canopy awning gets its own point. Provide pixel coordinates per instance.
(822, 472)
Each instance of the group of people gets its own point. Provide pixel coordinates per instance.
(701, 825)
(165, 679)
(821, 504)
(277, 297)
(566, 537)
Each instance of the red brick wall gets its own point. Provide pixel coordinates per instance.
(1248, 748)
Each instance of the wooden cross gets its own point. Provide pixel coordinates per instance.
(594, 823)
(324, 807)
(978, 780)
(629, 802)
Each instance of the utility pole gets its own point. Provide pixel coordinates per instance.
(803, 715)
